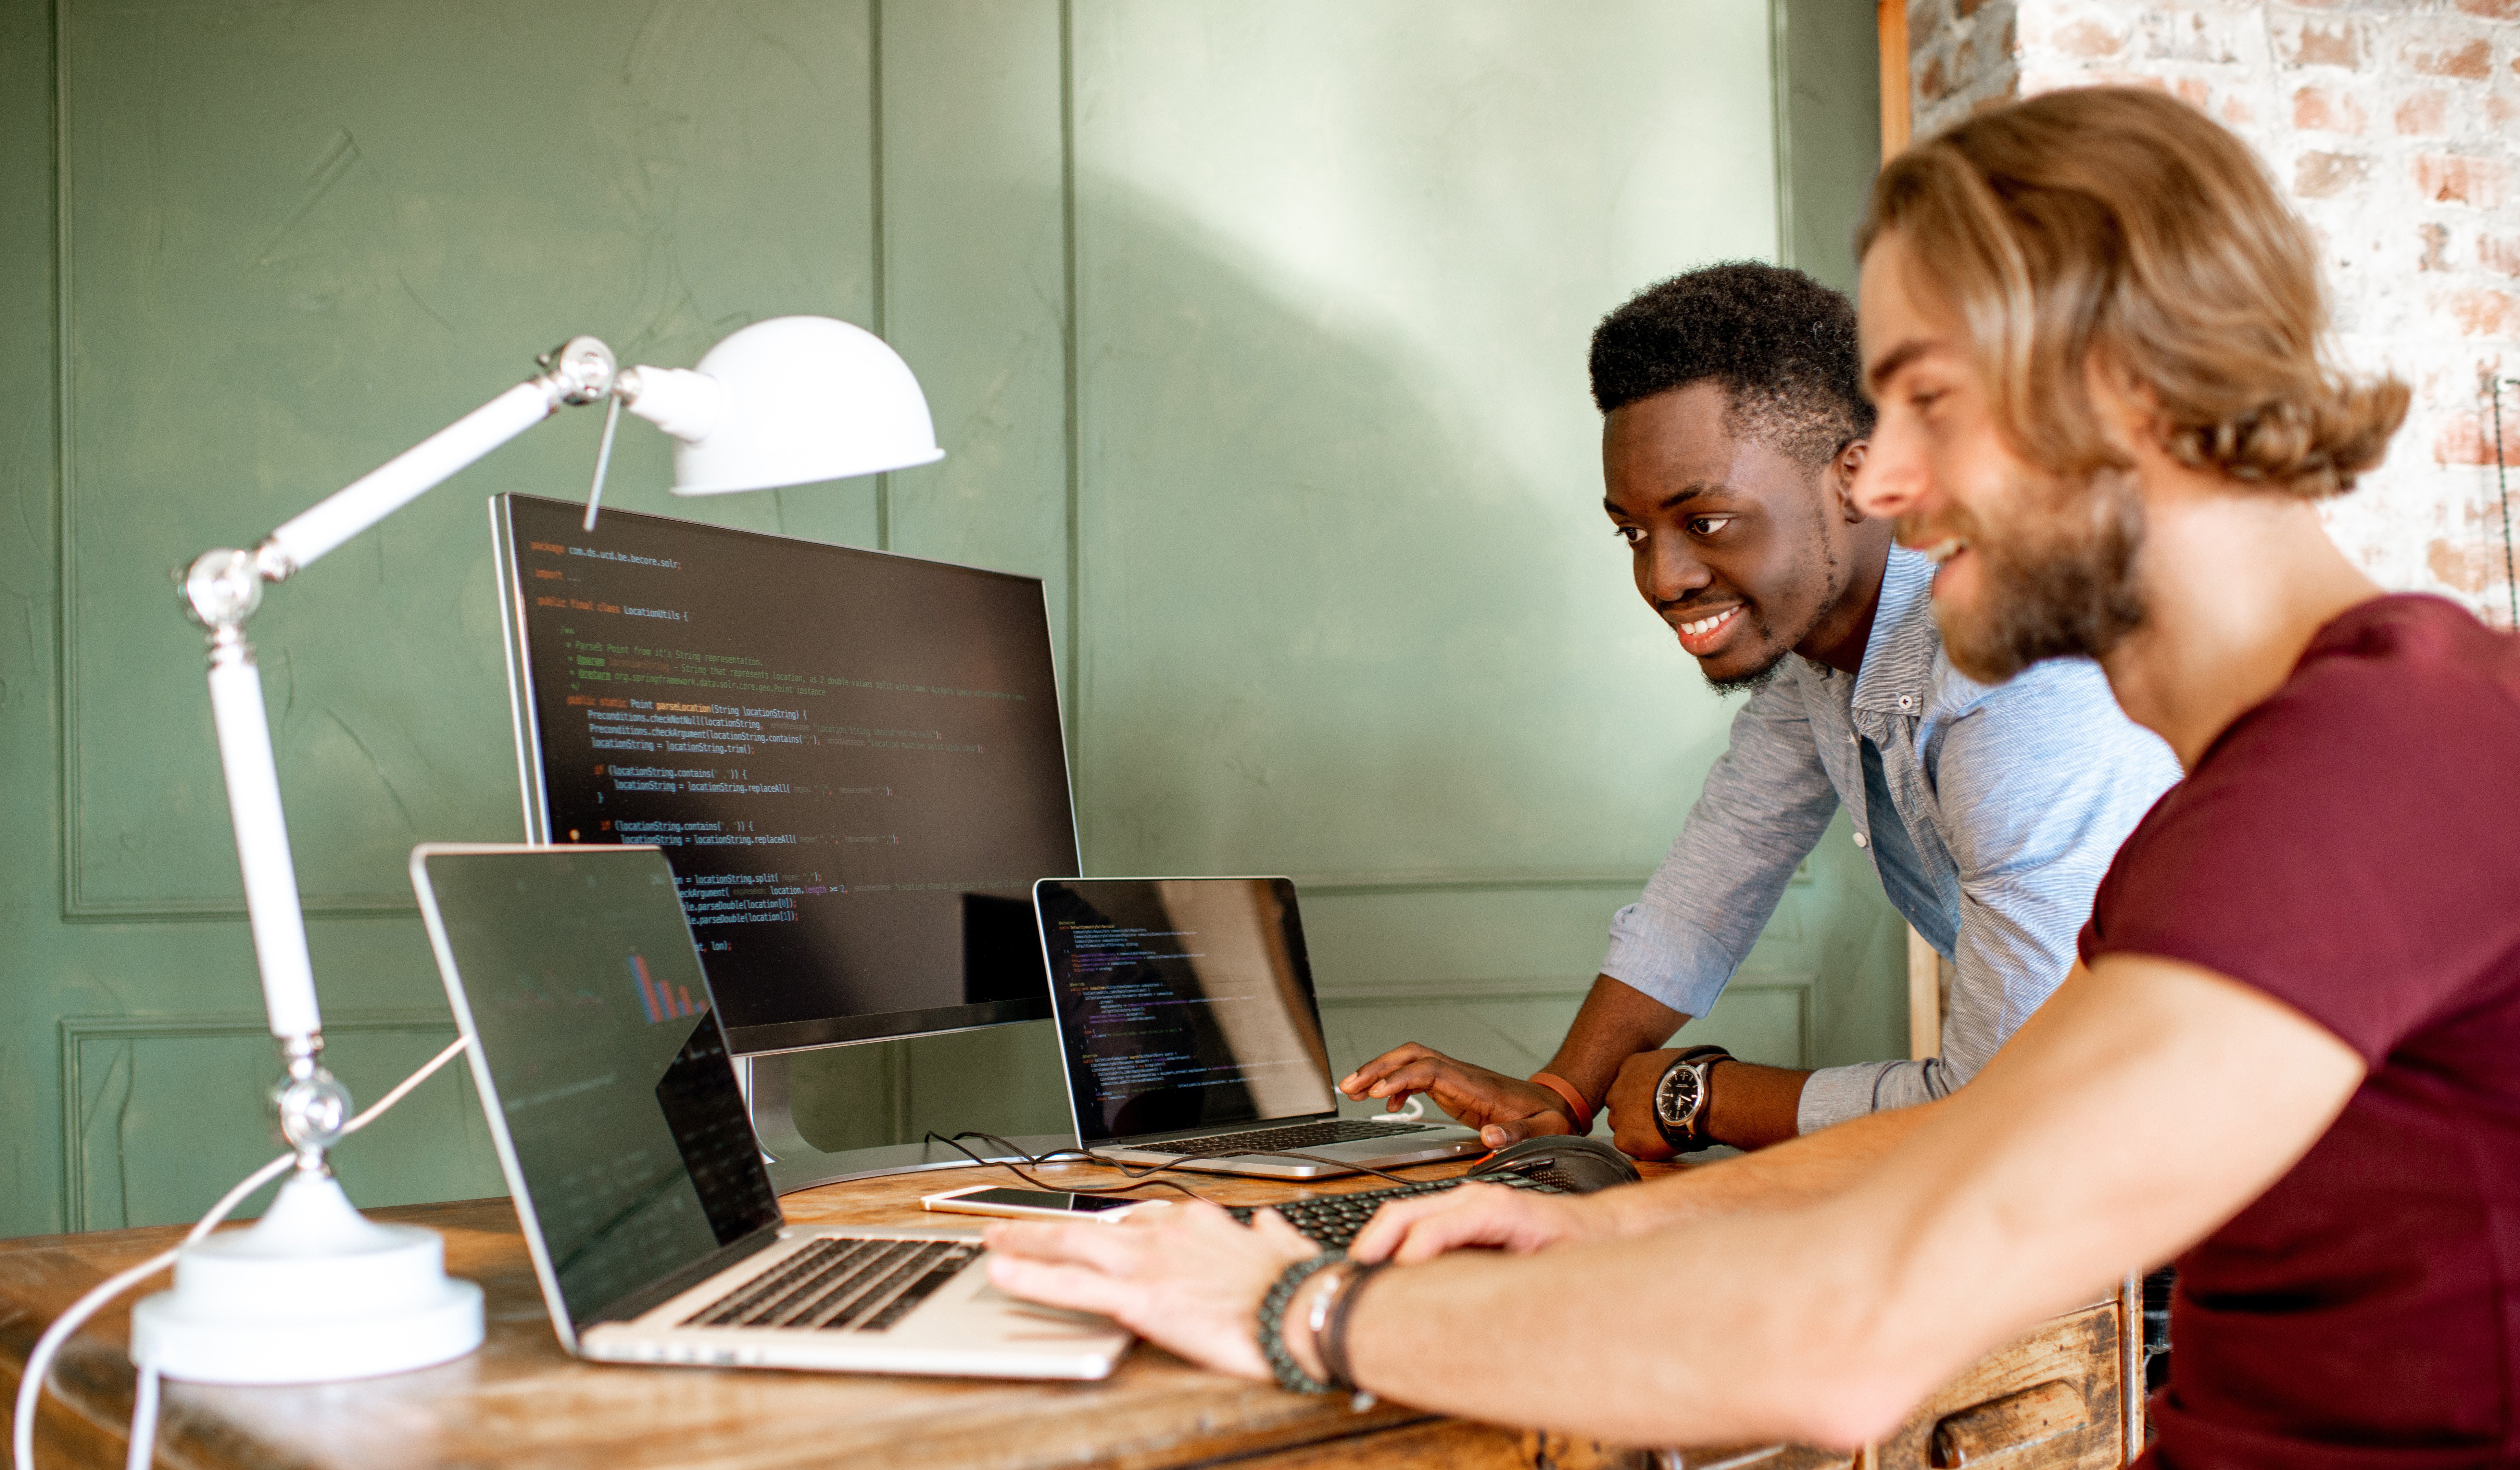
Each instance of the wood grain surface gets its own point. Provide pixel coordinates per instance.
(523, 1402)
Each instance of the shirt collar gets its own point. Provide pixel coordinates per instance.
(1898, 676)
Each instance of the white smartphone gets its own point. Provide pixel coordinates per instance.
(1036, 1204)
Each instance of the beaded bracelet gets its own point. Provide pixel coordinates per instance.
(1271, 1333)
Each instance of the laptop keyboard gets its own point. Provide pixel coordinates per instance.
(1279, 1139)
(1331, 1220)
(837, 1285)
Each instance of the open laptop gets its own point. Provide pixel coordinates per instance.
(1190, 1034)
(622, 1132)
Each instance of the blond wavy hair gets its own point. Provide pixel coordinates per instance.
(2122, 229)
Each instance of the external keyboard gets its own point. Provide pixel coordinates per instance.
(836, 1285)
(1300, 1135)
(1331, 1220)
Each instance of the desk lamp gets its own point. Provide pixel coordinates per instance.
(315, 1292)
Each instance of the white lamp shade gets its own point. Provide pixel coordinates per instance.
(806, 399)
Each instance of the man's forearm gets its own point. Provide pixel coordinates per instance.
(1617, 1022)
(1801, 1171)
(2126, 1120)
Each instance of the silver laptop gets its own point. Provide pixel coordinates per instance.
(1190, 1034)
(623, 1134)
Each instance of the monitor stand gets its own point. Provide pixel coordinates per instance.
(795, 1163)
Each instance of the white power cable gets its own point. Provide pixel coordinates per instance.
(1415, 1112)
(144, 1401)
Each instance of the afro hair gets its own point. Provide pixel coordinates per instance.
(1781, 344)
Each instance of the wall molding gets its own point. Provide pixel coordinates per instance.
(1802, 985)
(77, 1032)
(1490, 880)
(1466, 880)
(76, 908)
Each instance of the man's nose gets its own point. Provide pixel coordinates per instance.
(1673, 571)
(1892, 480)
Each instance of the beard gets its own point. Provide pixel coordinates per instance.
(1752, 681)
(2058, 578)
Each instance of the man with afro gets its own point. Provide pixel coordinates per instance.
(1733, 426)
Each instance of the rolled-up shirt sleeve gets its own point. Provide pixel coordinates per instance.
(1765, 805)
(2039, 784)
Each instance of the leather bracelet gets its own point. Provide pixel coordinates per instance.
(1331, 1342)
(1578, 1110)
(1272, 1327)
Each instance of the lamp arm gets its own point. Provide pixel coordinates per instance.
(581, 372)
(220, 589)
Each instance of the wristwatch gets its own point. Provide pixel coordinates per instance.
(1679, 1098)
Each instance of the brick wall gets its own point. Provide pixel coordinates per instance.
(2395, 126)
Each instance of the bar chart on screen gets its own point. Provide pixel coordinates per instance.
(661, 1001)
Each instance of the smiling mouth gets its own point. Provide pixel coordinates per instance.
(1699, 636)
(1944, 550)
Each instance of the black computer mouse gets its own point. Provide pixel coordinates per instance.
(1578, 1165)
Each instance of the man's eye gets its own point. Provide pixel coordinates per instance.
(1629, 534)
(1708, 525)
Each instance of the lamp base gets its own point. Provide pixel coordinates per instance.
(313, 1293)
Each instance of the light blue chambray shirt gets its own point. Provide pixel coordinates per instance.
(2013, 799)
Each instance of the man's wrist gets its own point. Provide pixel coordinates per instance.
(1579, 1108)
(1752, 1106)
(1302, 1334)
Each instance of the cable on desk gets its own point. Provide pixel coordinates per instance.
(144, 1401)
(1136, 1176)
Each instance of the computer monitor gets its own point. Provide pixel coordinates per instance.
(853, 760)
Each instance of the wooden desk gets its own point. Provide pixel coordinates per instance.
(522, 1402)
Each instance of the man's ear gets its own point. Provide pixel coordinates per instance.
(1842, 478)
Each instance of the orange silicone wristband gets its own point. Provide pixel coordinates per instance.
(1577, 1109)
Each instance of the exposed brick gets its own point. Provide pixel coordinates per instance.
(1931, 83)
(2319, 175)
(2482, 313)
(2449, 179)
(2326, 110)
(2436, 239)
(2328, 44)
(2473, 61)
(2236, 113)
(2423, 113)
(2502, 254)
(2493, 10)
(2469, 568)
(2088, 39)
(2502, 112)
(2466, 440)
(2190, 36)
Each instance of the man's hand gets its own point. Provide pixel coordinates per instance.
(1504, 1109)
(1630, 1105)
(1188, 1278)
(1406, 1232)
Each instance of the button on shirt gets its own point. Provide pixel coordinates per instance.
(1989, 812)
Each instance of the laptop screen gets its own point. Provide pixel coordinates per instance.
(627, 1141)
(1183, 1003)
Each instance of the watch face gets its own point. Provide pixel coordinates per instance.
(1676, 1097)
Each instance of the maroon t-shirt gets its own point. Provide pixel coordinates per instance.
(2352, 847)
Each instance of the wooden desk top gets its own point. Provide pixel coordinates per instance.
(2050, 1402)
(521, 1400)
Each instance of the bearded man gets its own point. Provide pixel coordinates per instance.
(2096, 339)
(1734, 424)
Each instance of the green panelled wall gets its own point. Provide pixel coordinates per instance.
(1256, 329)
